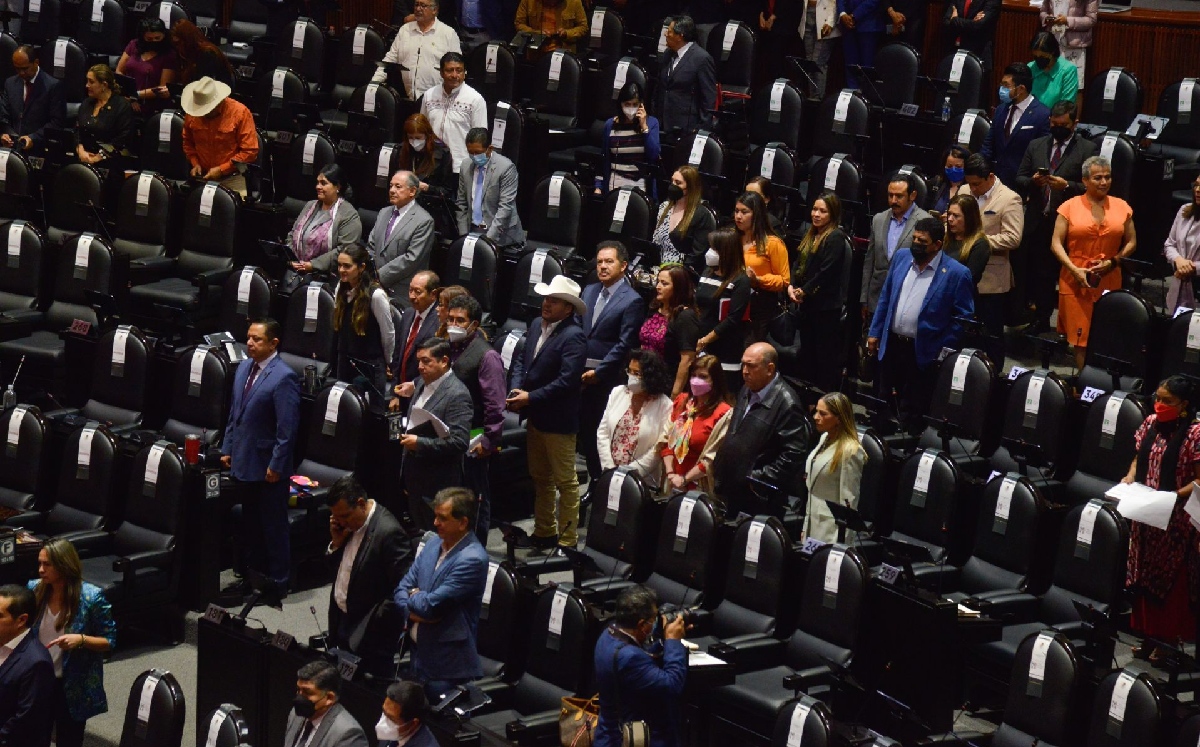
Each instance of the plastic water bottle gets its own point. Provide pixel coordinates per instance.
(10, 398)
(946, 109)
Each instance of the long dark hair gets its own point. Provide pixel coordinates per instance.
(683, 293)
(727, 243)
(337, 176)
(189, 45)
(152, 25)
(760, 227)
(711, 365)
(360, 304)
(813, 239)
(65, 559)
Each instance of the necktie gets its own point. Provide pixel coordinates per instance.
(408, 344)
(28, 91)
(387, 235)
(966, 16)
(477, 199)
(600, 304)
(1008, 122)
(250, 381)
(1055, 159)
(305, 733)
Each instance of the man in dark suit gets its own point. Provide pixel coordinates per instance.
(27, 685)
(546, 380)
(615, 312)
(31, 101)
(317, 718)
(891, 229)
(761, 461)
(1050, 173)
(1018, 122)
(924, 295)
(971, 25)
(369, 552)
(442, 594)
(405, 710)
(417, 324)
(687, 80)
(432, 461)
(260, 439)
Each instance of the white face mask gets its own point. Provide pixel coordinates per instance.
(417, 143)
(635, 384)
(630, 111)
(711, 258)
(387, 730)
(456, 334)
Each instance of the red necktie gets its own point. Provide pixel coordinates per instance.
(408, 345)
(966, 17)
(250, 381)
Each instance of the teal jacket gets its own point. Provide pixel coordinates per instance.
(83, 671)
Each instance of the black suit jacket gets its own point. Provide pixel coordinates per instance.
(437, 463)
(382, 560)
(27, 695)
(764, 447)
(687, 95)
(972, 35)
(46, 107)
(1070, 167)
(428, 329)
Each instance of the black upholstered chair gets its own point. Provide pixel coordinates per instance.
(162, 725)
(84, 497)
(1106, 446)
(199, 396)
(471, 262)
(308, 337)
(22, 457)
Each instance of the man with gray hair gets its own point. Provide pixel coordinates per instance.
(419, 46)
(402, 239)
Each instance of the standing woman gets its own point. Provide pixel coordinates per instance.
(150, 60)
(362, 319)
(820, 29)
(1071, 22)
(822, 262)
(635, 417)
(761, 185)
(965, 239)
(766, 260)
(951, 180)
(723, 297)
(699, 421)
(1092, 233)
(1182, 249)
(325, 225)
(681, 232)
(673, 326)
(74, 622)
(1055, 78)
(834, 468)
(1164, 566)
(198, 57)
(630, 143)
(422, 154)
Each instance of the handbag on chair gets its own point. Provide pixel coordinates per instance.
(577, 721)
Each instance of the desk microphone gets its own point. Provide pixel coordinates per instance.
(320, 633)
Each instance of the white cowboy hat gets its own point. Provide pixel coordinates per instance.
(202, 96)
(564, 289)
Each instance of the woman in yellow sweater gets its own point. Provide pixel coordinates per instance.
(766, 263)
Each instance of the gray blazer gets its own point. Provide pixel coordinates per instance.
(338, 729)
(346, 232)
(437, 463)
(405, 253)
(499, 200)
(875, 266)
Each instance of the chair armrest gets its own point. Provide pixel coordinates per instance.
(211, 277)
(28, 316)
(1007, 606)
(139, 560)
(958, 738)
(89, 542)
(17, 324)
(601, 590)
(161, 265)
(499, 691)
(808, 678)
(535, 729)
(749, 652)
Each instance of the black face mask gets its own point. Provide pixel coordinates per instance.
(920, 252)
(1041, 62)
(674, 193)
(1061, 134)
(303, 707)
(160, 47)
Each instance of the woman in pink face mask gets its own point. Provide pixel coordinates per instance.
(699, 418)
(1164, 566)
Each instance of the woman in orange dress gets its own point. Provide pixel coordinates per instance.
(1091, 236)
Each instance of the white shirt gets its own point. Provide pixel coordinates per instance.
(679, 55)
(1019, 112)
(547, 330)
(316, 724)
(47, 632)
(262, 367)
(421, 52)
(341, 585)
(982, 199)
(453, 115)
(7, 649)
(430, 388)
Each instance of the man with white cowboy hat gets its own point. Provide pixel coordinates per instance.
(218, 134)
(546, 380)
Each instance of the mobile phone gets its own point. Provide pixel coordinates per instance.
(1042, 171)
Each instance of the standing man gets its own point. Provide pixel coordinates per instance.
(454, 108)
(27, 684)
(402, 722)
(890, 230)
(419, 46)
(1020, 119)
(478, 366)
(432, 461)
(31, 101)
(1003, 221)
(487, 192)
(402, 239)
(1051, 172)
(317, 718)
(925, 292)
(260, 439)
(218, 134)
(418, 323)
(761, 461)
(442, 594)
(687, 80)
(369, 552)
(546, 380)
(614, 316)
(971, 25)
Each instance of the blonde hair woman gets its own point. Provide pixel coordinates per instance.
(834, 469)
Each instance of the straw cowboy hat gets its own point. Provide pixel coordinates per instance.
(564, 289)
(202, 96)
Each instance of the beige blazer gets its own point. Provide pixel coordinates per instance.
(1003, 222)
(826, 484)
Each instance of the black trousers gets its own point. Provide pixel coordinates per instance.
(905, 383)
(67, 731)
(822, 352)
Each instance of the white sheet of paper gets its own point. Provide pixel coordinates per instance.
(383, 166)
(4, 165)
(334, 402)
(754, 541)
(298, 36)
(312, 301)
(1033, 394)
(1110, 83)
(554, 198)
(14, 426)
(277, 82)
(15, 229)
(359, 45)
(1112, 409)
(1137, 502)
(956, 66)
(615, 484)
(1108, 145)
(119, 340)
(214, 728)
(491, 580)
(310, 147)
(147, 697)
(832, 169)
(557, 607)
(506, 350)
(965, 128)
(958, 378)
(60, 53)
(1184, 102)
(489, 64)
(536, 266)
(622, 72)
(662, 39)
(499, 125)
(83, 457)
(622, 206)
(796, 727)
(776, 103)
(768, 163)
(556, 61)
(420, 416)
(703, 659)
(698, 144)
(1192, 507)
(143, 189)
(730, 36)
(833, 570)
(1087, 522)
(467, 260)
(1193, 335)
(1120, 696)
(841, 110)
(164, 127)
(1037, 661)
(153, 459)
(683, 524)
(1004, 499)
(196, 367)
(243, 291)
(597, 29)
(369, 98)
(924, 467)
(206, 198)
(97, 11)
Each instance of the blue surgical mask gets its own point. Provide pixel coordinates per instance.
(1005, 95)
(954, 174)
(480, 159)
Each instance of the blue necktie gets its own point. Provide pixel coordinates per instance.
(477, 201)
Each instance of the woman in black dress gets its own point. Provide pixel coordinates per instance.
(723, 297)
(820, 274)
(105, 117)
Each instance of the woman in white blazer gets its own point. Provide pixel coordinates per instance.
(636, 417)
(834, 469)
(819, 28)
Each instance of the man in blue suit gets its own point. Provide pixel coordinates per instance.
(923, 296)
(1020, 119)
(260, 440)
(546, 380)
(614, 315)
(441, 596)
(27, 689)
(31, 101)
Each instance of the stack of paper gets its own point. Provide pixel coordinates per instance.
(1138, 502)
